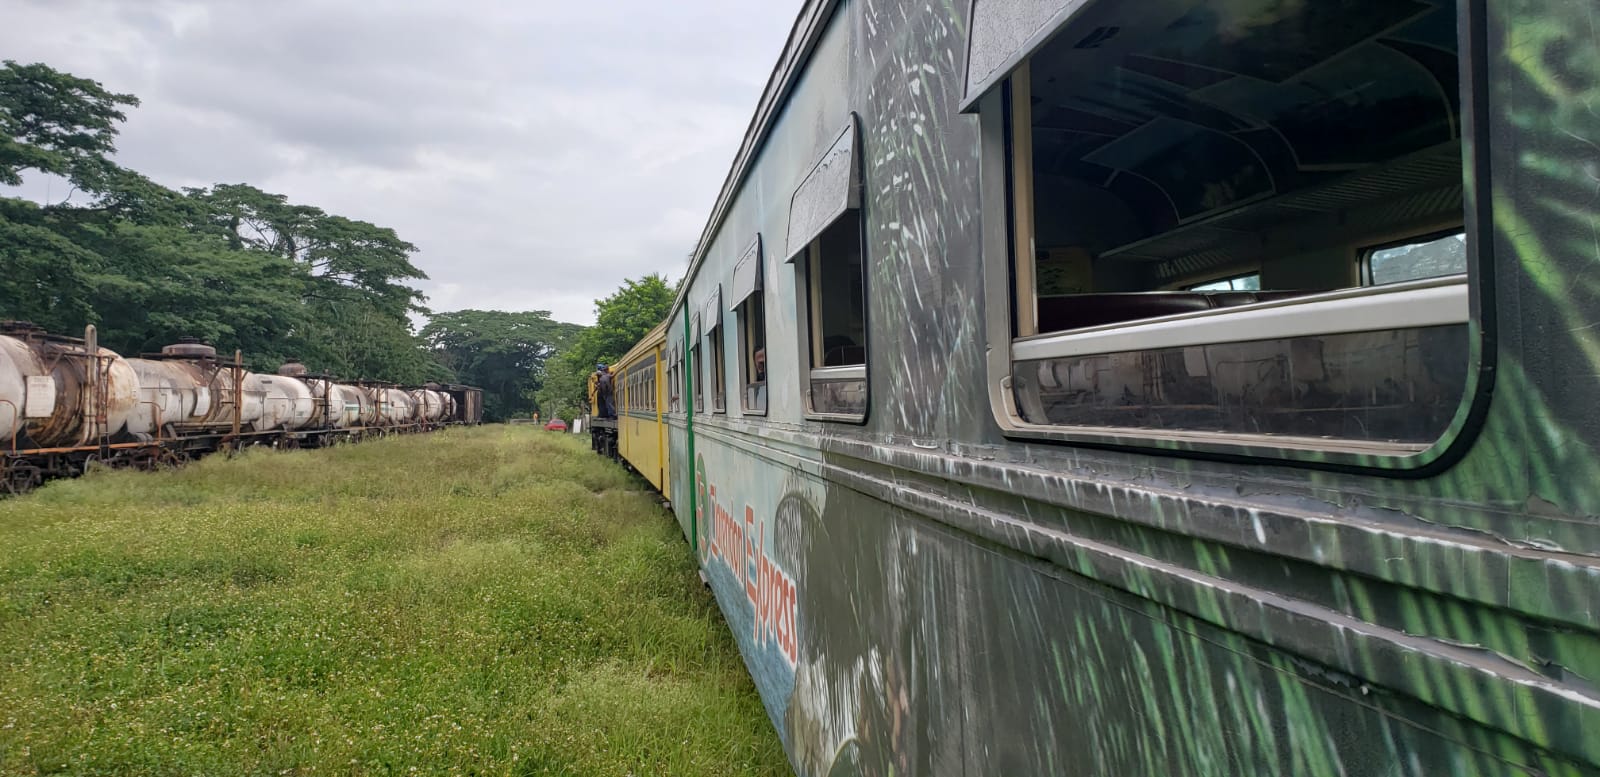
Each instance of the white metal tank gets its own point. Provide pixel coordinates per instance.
(345, 405)
(286, 402)
(187, 389)
(397, 407)
(429, 405)
(51, 389)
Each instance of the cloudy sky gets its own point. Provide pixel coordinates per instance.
(536, 151)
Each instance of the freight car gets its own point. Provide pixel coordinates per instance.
(66, 404)
(1180, 387)
(466, 402)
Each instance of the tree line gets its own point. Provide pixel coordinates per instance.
(247, 269)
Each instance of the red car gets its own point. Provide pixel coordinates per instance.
(556, 425)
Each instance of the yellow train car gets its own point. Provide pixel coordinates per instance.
(641, 392)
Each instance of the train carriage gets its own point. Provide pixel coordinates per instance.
(67, 404)
(640, 393)
(1184, 387)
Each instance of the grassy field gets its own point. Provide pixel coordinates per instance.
(492, 601)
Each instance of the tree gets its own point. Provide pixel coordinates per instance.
(503, 353)
(55, 123)
(620, 321)
(232, 264)
(45, 278)
(354, 293)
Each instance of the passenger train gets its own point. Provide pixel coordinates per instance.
(67, 404)
(1173, 387)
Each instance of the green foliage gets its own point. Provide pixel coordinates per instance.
(242, 268)
(55, 123)
(622, 319)
(503, 353)
(368, 609)
(46, 275)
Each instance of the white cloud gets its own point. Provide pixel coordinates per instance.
(537, 153)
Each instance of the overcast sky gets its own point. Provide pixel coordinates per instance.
(536, 151)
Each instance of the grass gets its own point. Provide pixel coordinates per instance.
(492, 601)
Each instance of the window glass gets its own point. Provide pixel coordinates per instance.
(718, 370)
(1192, 141)
(697, 364)
(835, 312)
(1248, 282)
(753, 364)
(838, 322)
(1430, 258)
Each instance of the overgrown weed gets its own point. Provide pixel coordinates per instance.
(493, 600)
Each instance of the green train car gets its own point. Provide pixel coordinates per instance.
(1163, 387)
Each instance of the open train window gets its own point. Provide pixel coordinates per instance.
(716, 367)
(674, 387)
(696, 372)
(826, 245)
(719, 371)
(1144, 153)
(751, 309)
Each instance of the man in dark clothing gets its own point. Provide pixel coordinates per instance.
(603, 392)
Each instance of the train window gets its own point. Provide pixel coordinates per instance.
(716, 369)
(1144, 154)
(1415, 259)
(826, 245)
(751, 309)
(753, 361)
(675, 381)
(719, 383)
(698, 371)
(1246, 282)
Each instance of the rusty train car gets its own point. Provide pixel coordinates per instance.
(67, 404)
(1174, 387)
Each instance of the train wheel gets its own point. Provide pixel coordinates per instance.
(20, 478)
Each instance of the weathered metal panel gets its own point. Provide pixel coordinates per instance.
(832, 187)
(747, 274)
(1004, 33)
(711, 309)
(968, 604)
(40, 399)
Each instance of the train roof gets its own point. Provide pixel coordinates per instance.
(803, 37)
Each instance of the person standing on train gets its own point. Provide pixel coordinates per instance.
(603, 392)
(593, 388)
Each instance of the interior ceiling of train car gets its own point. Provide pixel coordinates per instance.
(1205, 124)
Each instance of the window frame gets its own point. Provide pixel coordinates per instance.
(830, 191)
(699, 405)
(1008, 284)
(747, 320)
(718, 354)
(674, 387)
(1364, 254)
(808, 278)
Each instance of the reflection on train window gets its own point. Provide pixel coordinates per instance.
(1195, 191)
(753, 354)
(835, 313)
(717, 368)
(1416, 259)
